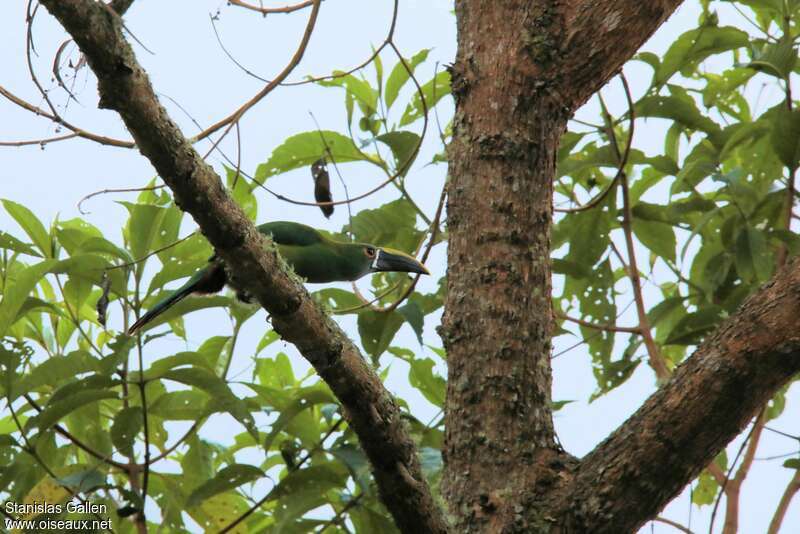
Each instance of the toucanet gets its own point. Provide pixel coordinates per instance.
(313, 256)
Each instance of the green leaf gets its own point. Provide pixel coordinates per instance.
(377, 330)
(694, 326)
(365, 96)
(143, 227)
(753, 258)
(83, 481)
(557, 405)
(269, 337)
(422, 377)
(356, 461)
(337, 299)
(777, 59)
(399, 76)
(412, 313)
(127, 424)
(56, 370)
(216, 388)
(219, 511)
(433, 91)
(185, 405)
(229, 477)
(16, 293)
(694, 46)
(404, 145)
(792, 463)
(242, 193)
(392, 224)
(706, 490)
(78, 385)
(9, 242)
(681, 110)
(305, 148)
(31, 225)
(656, 236)
(587, 234)
(53, 413)
(275, 372)
(305, 400)
(365, 519)
(570, 268)
(786, 137)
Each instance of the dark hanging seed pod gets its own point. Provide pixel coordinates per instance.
(322, 185)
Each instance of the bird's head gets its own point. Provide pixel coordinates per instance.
(382, 259)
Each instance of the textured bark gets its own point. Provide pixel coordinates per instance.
(254, 263)
(496, 329)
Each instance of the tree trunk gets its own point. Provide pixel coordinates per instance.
(497, 323)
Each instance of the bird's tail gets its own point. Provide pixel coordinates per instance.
(199, 283)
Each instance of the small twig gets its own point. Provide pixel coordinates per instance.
(623, 160)
(293, 62)
(270, 10)
(103, 140)
(41, 142)
(124, 190)
(591, 337)
(57, 70)
(655, 357)
(597, 326)
(148, 256)
(727, 480)
(783, 505)
(674, 524)
(230, 56)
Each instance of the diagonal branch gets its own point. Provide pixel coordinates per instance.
(254, 263)
(678, 430)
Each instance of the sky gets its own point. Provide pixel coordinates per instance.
(188, 66)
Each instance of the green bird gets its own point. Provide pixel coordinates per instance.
(313, 256)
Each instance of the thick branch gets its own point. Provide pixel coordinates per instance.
(708, 401)
(599, 37)
(254, 263)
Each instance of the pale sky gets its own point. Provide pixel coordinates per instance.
(188, 65)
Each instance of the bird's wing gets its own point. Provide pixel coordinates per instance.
(291, 233)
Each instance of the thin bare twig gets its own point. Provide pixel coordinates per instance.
(655, 357)
(270, 10)
(244, 69)
(598, 326)
(788, 494)
(623, 160)
(101, 139)
(727, 481)
(673, 524)
(41, 142)
(124, 190)
(268, 88)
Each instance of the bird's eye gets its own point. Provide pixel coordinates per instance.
(370, 252)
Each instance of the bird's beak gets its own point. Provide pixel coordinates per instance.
(388, 259)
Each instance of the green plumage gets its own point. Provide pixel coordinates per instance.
(313, 256)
